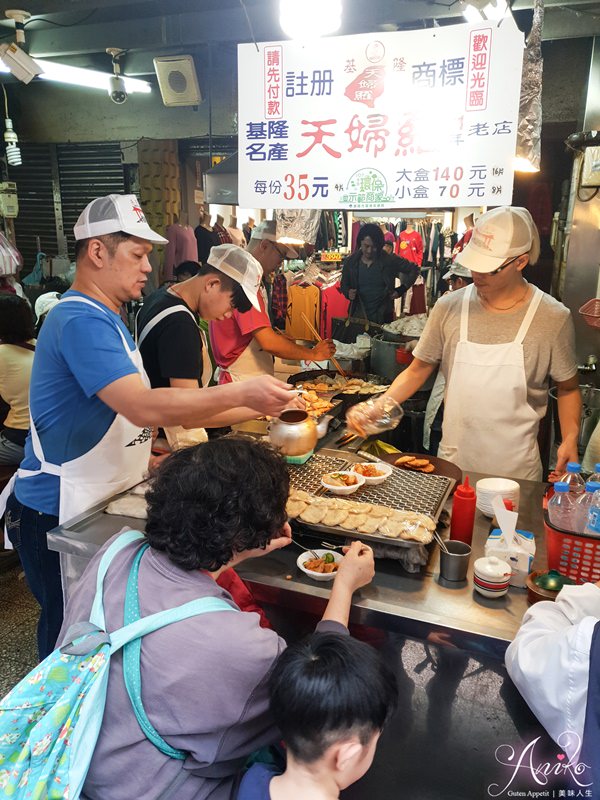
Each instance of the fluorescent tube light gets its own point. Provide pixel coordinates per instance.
(88, 78)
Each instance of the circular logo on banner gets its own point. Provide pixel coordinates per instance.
(375, 52)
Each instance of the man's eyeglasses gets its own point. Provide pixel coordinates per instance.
(504, 266)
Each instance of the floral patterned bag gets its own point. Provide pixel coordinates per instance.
(50, 721)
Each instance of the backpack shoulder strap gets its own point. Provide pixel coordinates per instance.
(97, 613)
(133, 645)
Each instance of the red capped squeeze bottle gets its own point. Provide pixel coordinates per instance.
(463, 513)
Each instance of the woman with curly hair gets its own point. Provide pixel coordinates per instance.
(205, 679)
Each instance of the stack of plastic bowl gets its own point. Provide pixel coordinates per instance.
(487, 488)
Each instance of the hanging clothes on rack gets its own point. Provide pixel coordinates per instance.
(410, 245)
(333, 304)
(302, 299)
(279, 301)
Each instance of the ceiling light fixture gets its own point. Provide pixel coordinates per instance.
(15, 60)
(522, 164)
(310, 18)
(13, 153)
(482, 10)
(88, 78)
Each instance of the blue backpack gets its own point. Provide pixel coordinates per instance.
(50, 721)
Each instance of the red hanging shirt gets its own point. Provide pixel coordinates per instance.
(410, 246)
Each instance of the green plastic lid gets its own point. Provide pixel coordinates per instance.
(552, 581)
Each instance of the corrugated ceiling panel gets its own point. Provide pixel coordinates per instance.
(36, 206)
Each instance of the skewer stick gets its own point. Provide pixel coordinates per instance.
(315, 333)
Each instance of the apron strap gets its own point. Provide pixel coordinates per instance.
(525, 325)
(464, 313)
(45, 466)
(159, 318)
(100, 308)
(528, 319)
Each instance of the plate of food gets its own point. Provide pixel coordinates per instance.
(343, 482)
(323, 568)
(426, 464)
(330, 384)
(373, 473)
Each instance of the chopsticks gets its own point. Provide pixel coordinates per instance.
(315, 333)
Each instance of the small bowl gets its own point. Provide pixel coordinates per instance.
(491, 576)
(318, 576)
(387, 469)
(344, 490)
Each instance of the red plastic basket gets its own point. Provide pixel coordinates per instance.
(575, 555)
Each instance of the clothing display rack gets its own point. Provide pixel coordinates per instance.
(314, 293)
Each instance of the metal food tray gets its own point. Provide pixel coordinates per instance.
(403, 490)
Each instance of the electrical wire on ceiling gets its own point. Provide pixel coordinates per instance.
(61, 24)
(51, 22)
(243, 5)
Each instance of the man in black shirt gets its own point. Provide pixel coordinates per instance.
(173, 347)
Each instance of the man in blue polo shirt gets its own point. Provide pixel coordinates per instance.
(92, 410)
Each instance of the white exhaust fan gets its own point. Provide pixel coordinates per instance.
(177, 80)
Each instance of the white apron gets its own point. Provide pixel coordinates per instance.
(177, 435)
(251, 363)
(116, 463)
(488, 424)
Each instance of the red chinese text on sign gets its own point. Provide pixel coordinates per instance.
(273, 82)
(478, 69)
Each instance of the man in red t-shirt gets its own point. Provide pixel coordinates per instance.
(244, 345)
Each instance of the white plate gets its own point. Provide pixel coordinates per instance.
(344, 490)
(387, 469)
(318, 576)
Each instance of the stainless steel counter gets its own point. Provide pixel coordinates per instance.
(416, 605)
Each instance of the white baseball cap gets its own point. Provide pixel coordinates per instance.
(114, 213)
(45, 302)
(240, 265)
(499, 234)
(459, 271)
(268, 230)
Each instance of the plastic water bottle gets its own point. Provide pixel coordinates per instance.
(595, 478)
(592, 527)
(583, 505)
(560, 507)
(573, 478)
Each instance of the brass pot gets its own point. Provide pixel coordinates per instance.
(294, 433)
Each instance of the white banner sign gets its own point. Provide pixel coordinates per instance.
(423, 119)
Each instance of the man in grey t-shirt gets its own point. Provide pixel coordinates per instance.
(498, 343)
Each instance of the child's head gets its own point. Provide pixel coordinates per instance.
(331, 696)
